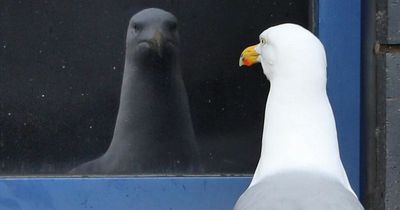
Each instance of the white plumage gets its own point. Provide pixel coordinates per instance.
(300, 166)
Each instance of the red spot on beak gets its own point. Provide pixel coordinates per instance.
(246, 62)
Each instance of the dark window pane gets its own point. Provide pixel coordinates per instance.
(61, 69)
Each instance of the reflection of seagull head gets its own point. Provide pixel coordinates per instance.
(152, 36)
(300, 155)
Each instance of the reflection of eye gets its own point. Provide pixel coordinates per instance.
(172, 26)
(263, 41)
(137, 27)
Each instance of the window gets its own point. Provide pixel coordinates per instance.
(62, 67)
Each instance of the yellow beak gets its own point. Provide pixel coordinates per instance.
(249, 56)
(157, 40)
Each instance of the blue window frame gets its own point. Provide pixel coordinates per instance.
(338, 26)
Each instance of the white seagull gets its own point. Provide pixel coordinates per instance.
(300, 165)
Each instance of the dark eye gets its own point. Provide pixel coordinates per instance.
(137, 27)
(172, 26)
(263, 41)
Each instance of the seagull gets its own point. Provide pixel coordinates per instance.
(300, 165)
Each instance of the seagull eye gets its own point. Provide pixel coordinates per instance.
(263, 41)
(137, 27)
(172, 26)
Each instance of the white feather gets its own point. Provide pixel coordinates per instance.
(299, 135)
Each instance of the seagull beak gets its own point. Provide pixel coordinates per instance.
(157, 42)
(249, 56)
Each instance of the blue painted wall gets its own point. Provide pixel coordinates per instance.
(339, 29)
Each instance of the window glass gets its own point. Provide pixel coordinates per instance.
(61, 77)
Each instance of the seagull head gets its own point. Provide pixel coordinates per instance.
(289, 51)
(152, 37)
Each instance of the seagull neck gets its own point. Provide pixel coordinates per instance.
(299, 132)
(153, 105)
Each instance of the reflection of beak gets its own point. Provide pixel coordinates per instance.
(249, 56)
(157, 41)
